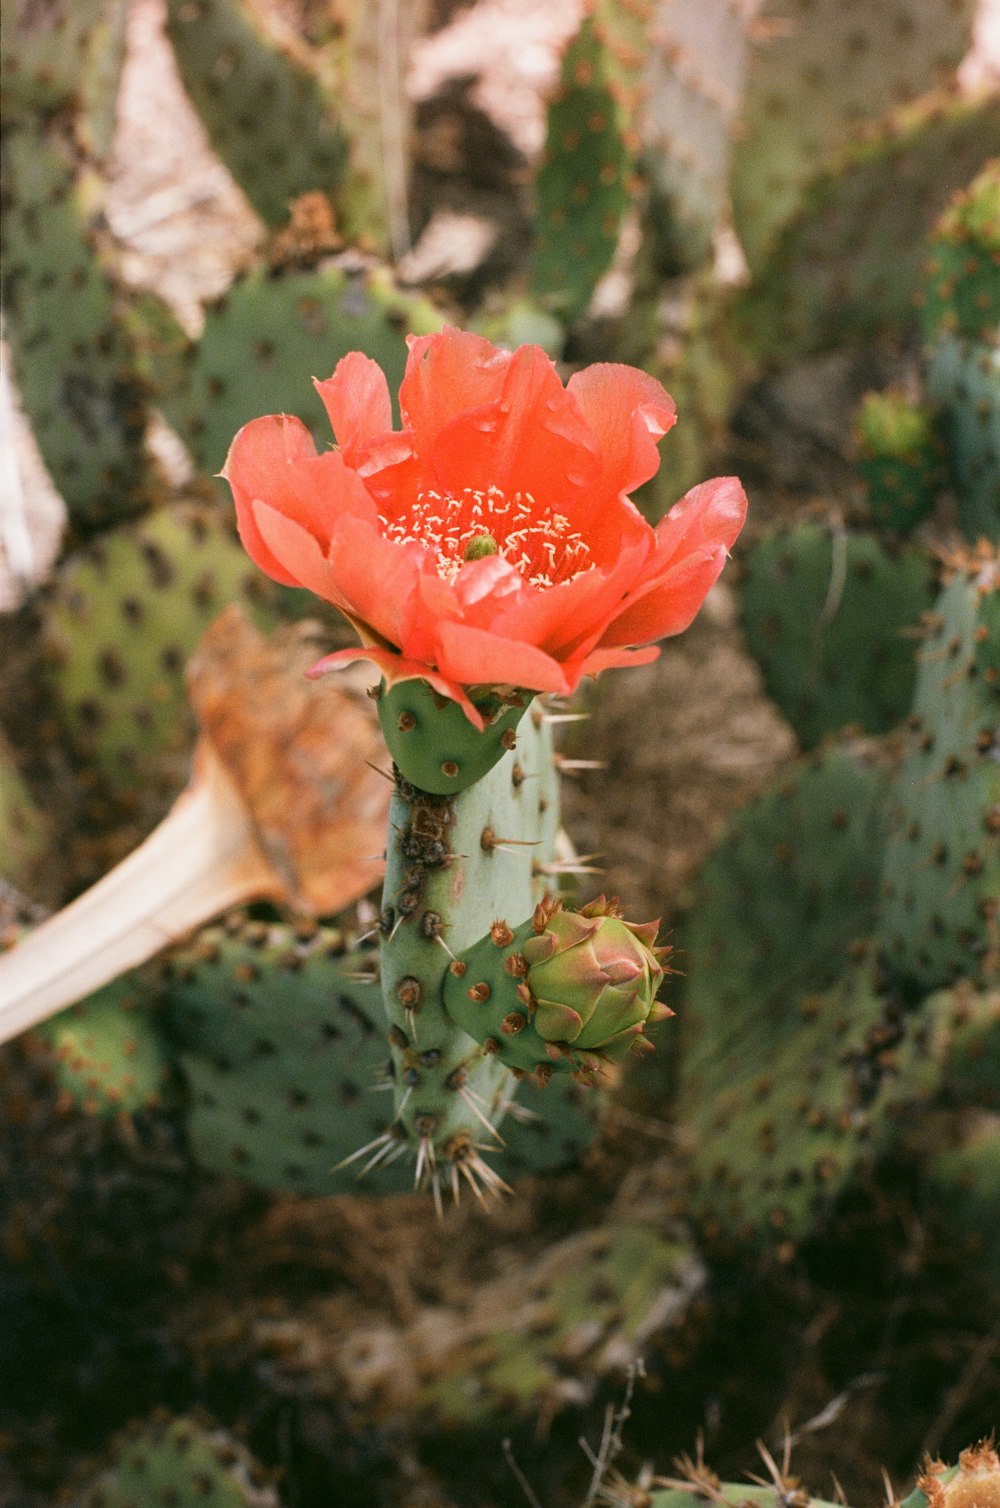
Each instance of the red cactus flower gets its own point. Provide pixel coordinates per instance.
(491, 541)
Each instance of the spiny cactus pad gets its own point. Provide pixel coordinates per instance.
(779, 904)
(67, 52)
(900, 459)
(537, 1340)
(732, 1495)
(831, 619)
(269, 330)
(109, 1053)
(789, 1102)
(433, 743)
(582, 186)
(269, 117)
(180, 1462)
(70, 357)
(818, 74)
(941, 876)
(963, 376)
(453, 861)
(281, 1040)
(122, 618)
(849, 261)
(961, 288)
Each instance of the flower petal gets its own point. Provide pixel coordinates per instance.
(475, 657)
(628, 412)
(258, 466)
(395, 668)
(692, 543)
(298, 550)
(376, 576)
(357, 400)
(447, 373)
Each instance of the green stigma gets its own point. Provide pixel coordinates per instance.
(480, 545)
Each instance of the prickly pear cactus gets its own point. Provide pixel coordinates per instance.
(830, 618)
(695, 76)
(582, 188)
(109, 1053)
(961, 287)
(270, 327)
(24, 830)
(815, 77)
(120, 621)
(942, 863)
(269, 117)
(71, 360)
(900, 459)
(180, 1461)
(66, 53)
(848, 262)
(960, 1187)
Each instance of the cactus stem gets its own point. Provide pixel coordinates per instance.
(470, 1098)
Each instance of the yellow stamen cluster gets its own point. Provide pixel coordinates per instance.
(538, 541)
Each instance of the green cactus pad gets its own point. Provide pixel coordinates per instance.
(67, 52)
(849, 262)
(270, 332)
(830, 618)
(433, 743)
(275, 126)
(966, 1040)
(70, 357)
(815, 78)
(547, 1130)
(900, 459)
(961, 291)
(787, 1104)
(942, 865)
(281, 1041)
(961, 1187)
(180, 1462)
(24, 830)
(120, 621)
(964, 378)
(582, 186)
(589, 1304)
(109, 1054)
(453, 861)
(781, 901)
(732, 1495)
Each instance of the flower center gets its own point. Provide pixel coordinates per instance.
(468, 525)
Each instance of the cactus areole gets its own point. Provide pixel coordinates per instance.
(485, 552)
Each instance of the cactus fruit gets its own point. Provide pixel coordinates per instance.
(942, 863)
(961, 288)
(815, 78)
(848, 263)
(974, 1481)
(121, 620)
(567, 990)
(582, 187)
(900, 459)
(270, 119)
(270, 327)
(183, 1462)
(109, 1054)
(830, 618)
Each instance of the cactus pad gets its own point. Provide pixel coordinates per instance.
(121, 620)
(942, 864)
(961, 292)
(433, 743)
(270, 328)
(109, 1053)
(179, 1461)
(964, 377)
(830, 619)
(900, 458)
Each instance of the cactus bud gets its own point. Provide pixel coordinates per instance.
(571, 990)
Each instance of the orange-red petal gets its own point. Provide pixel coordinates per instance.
(357, 401)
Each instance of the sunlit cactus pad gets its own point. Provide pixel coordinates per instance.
(109, 1053)
(182, 1463)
